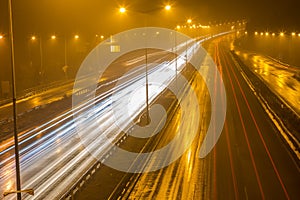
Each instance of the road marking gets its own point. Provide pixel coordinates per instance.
(244, 130)
(246, 194)
(228, 140)
(274, 118)
(127, 184)
(260, 135)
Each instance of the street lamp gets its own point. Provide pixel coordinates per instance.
(34, 38)
(122, 9)
(189, 21)
(147, 13)
(168, 7)
(1, 37)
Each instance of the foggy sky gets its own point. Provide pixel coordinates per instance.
(98, 15)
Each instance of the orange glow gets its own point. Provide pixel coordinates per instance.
(281, 34)
(9, 185)
(189, 21)
(256, 33)
(261, 33)
(178, 27)
(293, 33)
(102, 37)
(76, 36)
(122, 10)
(1, 37)
(168, 7)
(33, 38)
(273, 34)
(267, 33)
(53, 37)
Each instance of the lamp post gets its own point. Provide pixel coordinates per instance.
(41, 60)
(39, 38)
(123, 10)
(65, 53)
(14, 96)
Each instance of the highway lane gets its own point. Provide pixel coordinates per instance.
(44, 117)
(250, 161)
(281, 78)
(52, 162)
(258, 149)
(123, 185)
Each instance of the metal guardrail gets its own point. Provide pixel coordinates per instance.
(271, 101)
(36, 90)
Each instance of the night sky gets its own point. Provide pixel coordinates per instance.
(95, 15)
(65, 18)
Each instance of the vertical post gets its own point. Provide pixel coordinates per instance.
(17, 159)
(176, 65)
(186, 56)
(66, 61)
(147, 89)
(146, 62)
(41, 60)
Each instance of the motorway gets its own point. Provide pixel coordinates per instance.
(250, 161)
(52, 154)
(281, 78)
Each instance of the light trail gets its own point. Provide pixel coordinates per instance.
(52, 163)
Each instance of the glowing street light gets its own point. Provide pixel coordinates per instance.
(256, 33)
(168, 7)
(267, 33)
(178, 27)
(293, 33)
(122, 10)
(1, 37)
(33, 37)
(102, 37)
(76, 37)
(299, 34)
(261, 33)
(53, 37)
(273, 34)
(282, 34)
(147, 14)
(189, 21)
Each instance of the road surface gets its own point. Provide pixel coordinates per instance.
(250, 161)
(53, 155)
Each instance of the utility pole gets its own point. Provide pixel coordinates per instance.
(14, 99)
(18, 190)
